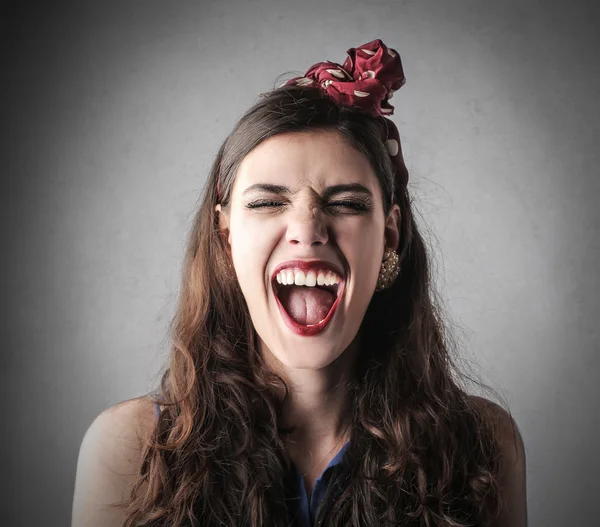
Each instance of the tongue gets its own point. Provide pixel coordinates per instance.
(306, 305)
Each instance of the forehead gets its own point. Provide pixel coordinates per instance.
(315, 158)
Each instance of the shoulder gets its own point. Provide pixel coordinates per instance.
(512, 476)
(109, 460)
(121, 429)
(507, 431)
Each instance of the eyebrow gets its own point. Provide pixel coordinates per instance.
(329, 191)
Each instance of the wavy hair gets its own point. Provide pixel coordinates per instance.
(422, 452)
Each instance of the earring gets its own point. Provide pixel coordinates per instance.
(390, 267)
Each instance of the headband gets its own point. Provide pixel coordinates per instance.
(367, 80)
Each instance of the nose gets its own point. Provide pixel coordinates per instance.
(307, 227)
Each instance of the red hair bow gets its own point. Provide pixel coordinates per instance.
(367, 80)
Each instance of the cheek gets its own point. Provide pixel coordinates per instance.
(250, 249)
(361, 247)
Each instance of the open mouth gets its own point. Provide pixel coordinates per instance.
(307, 308)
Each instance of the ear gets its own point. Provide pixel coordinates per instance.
(392, 228)
(224, 231)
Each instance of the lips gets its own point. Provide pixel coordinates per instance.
(307, 265)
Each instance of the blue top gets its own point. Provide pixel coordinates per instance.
(309, 510)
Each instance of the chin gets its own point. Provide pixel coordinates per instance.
(299, 352)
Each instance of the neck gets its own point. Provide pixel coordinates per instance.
(318, 405)
(320, 414)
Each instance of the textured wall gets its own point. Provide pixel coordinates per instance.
(112, 112)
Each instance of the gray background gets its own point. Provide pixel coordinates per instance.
(112, 113)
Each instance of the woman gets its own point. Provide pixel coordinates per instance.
(310, 380)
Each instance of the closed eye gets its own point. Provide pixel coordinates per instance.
(354, 205)
(263, 204)
(357, 206)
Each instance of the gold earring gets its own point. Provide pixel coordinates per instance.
(390, 267)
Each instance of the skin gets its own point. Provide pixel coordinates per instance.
(305, 226)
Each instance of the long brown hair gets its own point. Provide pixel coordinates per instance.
(422, 453)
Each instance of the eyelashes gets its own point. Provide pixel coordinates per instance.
(340, 205)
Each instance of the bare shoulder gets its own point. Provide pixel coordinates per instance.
(117, 433)
(509, 436)
(133, 418)
(512, 478)
(109, 461)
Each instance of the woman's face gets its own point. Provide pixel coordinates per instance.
(297, 221)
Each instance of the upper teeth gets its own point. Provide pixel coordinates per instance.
(311, 278)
